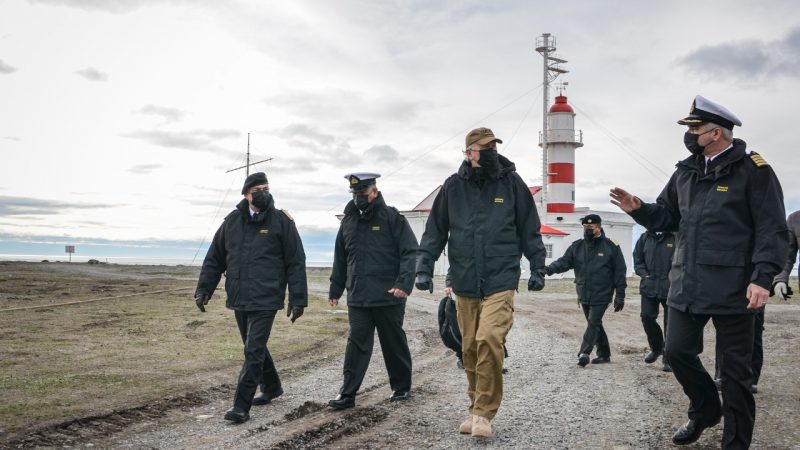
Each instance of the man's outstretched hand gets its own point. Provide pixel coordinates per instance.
(624, 200)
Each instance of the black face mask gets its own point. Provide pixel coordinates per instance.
(588, 234)
(690, 141)
(361, 201)
(261, 199)
(488, 159)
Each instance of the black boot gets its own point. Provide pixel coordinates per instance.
(651, 357)
(237, 415)
(265, 398)
(690, 431)
(342, 402)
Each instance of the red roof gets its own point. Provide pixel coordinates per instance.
(561, 105)
(552, 231)
(427, 202)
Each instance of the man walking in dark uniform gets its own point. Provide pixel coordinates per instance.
(487, 214)
(374, 260)
(599, 274)
(260, 252)
(652, 259)
(728, 206)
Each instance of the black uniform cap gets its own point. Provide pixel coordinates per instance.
(254, 179)
(591, 218)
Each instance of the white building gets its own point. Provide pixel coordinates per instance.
(560, 218)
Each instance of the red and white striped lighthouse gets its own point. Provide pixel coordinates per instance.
(561, 144)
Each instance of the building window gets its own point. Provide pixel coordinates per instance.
(549, 249)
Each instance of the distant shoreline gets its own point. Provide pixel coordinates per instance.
(121, 260)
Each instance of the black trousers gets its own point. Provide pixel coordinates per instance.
(758, 349)
(388, 320)
(258, 368)
(734, 333)
(649, 315)
(595, 334)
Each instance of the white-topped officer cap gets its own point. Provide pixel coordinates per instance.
(704, 111)
(361, 180)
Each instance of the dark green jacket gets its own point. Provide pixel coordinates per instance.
(732, 230)
(259, 258)
(374, 252)
(599, 269)
(490, 223)
(652, 260)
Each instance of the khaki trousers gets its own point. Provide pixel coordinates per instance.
(484, 324)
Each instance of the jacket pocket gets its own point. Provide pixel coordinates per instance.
(264, 290)
(232, 287)
(502, 250)
(726, 258)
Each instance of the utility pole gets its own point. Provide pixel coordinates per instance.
(546, 46)
(247, 165)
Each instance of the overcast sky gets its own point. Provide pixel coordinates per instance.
(119, 118)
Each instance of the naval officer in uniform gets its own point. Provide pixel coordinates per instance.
(374, 259)
(727, 204)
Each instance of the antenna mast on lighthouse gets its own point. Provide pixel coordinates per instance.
(546, 46)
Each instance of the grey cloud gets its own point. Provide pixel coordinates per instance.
(6, 68)
(168, 114)
(197, 140)
(383, 153)
(22, 206)
(308, 132)
(109, 6)
(92, 74)
(746, 60)
(333, 105)
(12, 138)
(144, 168)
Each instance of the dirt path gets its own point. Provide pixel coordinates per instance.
(549, 401)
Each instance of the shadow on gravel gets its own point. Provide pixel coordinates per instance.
(79, 430)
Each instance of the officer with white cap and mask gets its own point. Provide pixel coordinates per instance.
(727, 204)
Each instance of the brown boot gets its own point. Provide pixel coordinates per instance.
(466, 426)
(481, 427)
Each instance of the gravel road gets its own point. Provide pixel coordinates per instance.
(549, 401)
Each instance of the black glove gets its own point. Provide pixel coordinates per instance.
(619, 303)
(536, 281)
(548, 270)
(424, 282)
(201, 300)
(294, 312)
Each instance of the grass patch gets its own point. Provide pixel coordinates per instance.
(76, 360)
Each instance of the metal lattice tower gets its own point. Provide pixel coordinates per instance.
(546, 46)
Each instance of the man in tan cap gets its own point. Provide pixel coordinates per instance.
(486, 213)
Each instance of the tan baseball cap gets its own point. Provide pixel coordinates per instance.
(481, 136)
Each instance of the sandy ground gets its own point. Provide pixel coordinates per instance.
(549, 401)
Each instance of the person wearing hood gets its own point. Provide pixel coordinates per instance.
(258, 249)
(485, 214)
(600, 270)
(374, 261)
(727, 204)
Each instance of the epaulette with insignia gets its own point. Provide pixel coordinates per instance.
(288, 215)
(758, 160)
(614, 241)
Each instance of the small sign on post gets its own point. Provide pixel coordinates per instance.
(69, 249)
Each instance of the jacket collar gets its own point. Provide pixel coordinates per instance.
(351, 208)
(244, 208)
(722, 163)
(466, 171)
